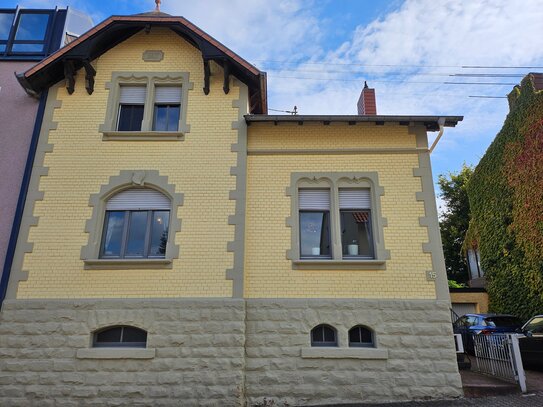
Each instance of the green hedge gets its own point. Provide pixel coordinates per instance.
(506, 201)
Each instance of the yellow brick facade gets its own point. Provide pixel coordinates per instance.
(200, 168)
(81, 163)
(268, 273)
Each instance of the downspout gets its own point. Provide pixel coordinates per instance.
(6, 271)
(441, 123)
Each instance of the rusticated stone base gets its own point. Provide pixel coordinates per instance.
(421, 359)
(224, 352)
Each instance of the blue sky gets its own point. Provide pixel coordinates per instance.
(318, 54)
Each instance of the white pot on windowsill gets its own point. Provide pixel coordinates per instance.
(315, 251)
(352, 249)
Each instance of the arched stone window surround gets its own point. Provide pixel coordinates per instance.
(94, 226)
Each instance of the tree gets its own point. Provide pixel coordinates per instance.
(454, 221)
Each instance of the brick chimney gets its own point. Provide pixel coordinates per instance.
(366, 102)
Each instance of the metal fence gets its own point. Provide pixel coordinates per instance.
(499, 355)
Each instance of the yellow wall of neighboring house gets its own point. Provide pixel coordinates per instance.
(480, 299)
(81, 162)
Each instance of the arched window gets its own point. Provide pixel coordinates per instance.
(361, 336)
(323, 335)
(136, 225)
(120, 336)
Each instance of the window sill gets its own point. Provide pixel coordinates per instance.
(125, 264)
(115, 353)
(142, 136)
(307, 264)
(340, 353)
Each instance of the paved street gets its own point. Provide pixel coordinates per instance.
(513, 400)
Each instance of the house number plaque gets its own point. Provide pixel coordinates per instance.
(431, 275)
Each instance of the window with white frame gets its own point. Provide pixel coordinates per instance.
(314, 218)
(355, 223)
(136, 225)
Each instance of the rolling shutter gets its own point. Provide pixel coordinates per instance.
(138, 199)
(316, 199)
(354, 198)
(133, 95)
(168, 94)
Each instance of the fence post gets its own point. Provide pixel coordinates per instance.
(517, 359)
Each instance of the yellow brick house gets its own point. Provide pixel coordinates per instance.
(180, 246)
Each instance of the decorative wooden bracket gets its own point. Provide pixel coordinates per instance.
(69, 74)
(207, 74)
(90, 73)
(226, 85)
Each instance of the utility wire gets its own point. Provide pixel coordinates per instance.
(400, 65)
(395, 81)
(473, 75)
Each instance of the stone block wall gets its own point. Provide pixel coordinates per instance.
(198, 353)
(420, 364)
(224, 352)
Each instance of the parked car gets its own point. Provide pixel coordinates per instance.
(484, 324)
(531, 344)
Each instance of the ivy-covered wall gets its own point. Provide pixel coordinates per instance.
(506, 200)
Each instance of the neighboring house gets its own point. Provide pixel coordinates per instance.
(26, 37)
(506, 204)
(181, 246)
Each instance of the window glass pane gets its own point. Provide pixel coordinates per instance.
(131, 334)
(365, 335)
(329, 334)
(173, 118)
(113, 233)
(27, 48)
(536, 326)
(130, 117)
(109, 335)
(32, 27)
(137, 228)
(159, 233)
(161, 118)
(354, 335)
(356, 239)
(314, 234)
(2, 47)
(317, 334)
(6, 20)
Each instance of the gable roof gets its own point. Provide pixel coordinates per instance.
(117, 29)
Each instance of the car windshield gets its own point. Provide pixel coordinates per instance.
(502, 321)
(535, 325)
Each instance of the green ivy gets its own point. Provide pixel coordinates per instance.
(506, 201)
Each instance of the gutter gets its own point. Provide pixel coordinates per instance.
(441, 123)
(10, 253)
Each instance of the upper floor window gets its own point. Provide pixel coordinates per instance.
(30, 33)
(136, 225)
(323, 335)
(120, 336)
(314, 207)
(167, 108)
(355, 223)
(6, 22)
(131, 108)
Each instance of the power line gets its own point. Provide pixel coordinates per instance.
(479, 75)
(395, 81)
(401, 65)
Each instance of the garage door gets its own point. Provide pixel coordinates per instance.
(464, 308)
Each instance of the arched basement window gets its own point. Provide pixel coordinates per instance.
(120, 336)
(361, 336)
(323, 335)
